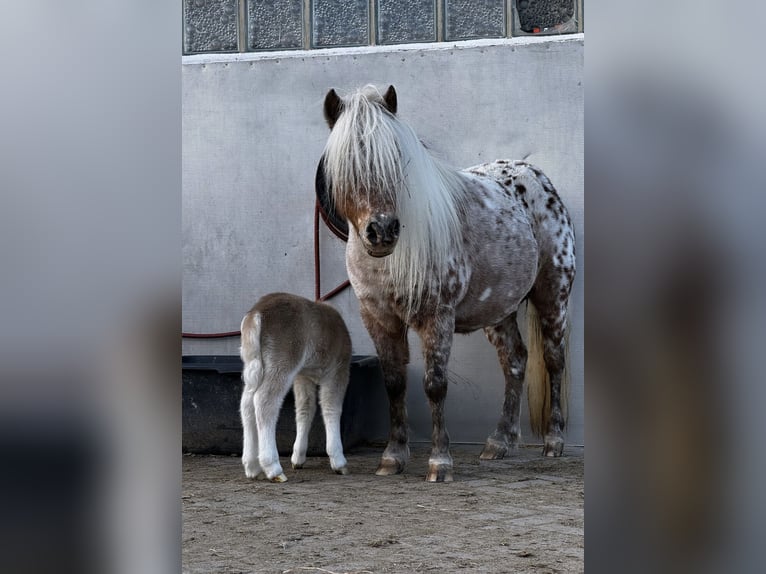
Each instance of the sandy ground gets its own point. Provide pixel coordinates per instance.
(520, 514)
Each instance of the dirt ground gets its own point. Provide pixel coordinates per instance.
(520, 514)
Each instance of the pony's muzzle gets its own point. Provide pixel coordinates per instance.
(381, 235)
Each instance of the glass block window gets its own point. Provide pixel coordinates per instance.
(468, 19)
(545, 17)
(340, 23)
(405, 21)
(258, 25)
(210, 26)
(274, 24)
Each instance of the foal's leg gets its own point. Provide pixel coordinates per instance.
(513, 358)
(389, 334)
(268, 402)
(332, 391)
(305, 392)
(250, 433)
(437, 343)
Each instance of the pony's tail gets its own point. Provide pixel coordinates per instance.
(250, 351)
(538, 381)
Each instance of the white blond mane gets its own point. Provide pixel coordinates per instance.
(372, 151)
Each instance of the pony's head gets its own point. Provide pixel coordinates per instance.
(363, 166)
(403, 203)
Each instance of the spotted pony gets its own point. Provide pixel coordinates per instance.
(444, 251)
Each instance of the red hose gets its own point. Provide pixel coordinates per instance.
(210, 335)
(317, 287)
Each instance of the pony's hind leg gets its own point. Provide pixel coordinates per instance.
(305, 392)
(332, 391)
(513, 359)
(250, 433)
(268, 402)
(252, 376)
(554, 355)
(389, 334)
(552, 316)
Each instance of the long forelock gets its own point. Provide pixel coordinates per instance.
(372, 151)
(362, 154)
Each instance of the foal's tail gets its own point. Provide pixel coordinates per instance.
(250, 351)
(538, 381)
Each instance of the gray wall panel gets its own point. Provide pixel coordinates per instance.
(253, 132)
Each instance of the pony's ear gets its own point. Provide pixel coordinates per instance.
(390, 99)
(333, 106)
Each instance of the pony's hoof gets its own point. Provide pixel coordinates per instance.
(296, 465)
(279, 478)
(493, 450)
(554, 446)
(343, 470)
(252, 470)
(389, 466)
(439, 473)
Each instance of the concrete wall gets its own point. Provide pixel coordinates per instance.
(253, 132)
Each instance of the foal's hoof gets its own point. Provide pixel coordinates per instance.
(253, 470)
(554, 446)
(389, 466)
(493, 450)
(279, 478)
(343, 470)
(296, 465)
(439, 473)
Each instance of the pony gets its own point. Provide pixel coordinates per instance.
(291, 342)
(442, 251)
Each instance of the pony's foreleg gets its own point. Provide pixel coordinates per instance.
(305, 393)
(437, 343)
(268, 402)
(390, 340)
(331, 393)
(513, 359)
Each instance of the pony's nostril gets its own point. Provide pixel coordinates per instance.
(395, 228)
(374, 233)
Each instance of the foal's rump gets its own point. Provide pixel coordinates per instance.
(288, 333)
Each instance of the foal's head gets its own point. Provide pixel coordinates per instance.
(363, 165)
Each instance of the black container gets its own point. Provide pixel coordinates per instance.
(211, 391)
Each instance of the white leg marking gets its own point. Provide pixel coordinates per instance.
(250, 434)
(331, 393)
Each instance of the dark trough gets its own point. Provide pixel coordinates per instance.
(212, 387)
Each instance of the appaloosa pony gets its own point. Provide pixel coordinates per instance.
(289, 341)
(444, 251)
